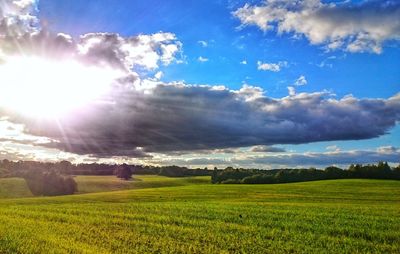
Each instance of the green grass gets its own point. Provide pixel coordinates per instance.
(88, 184)
(17, 188)
(338, 216)
(14, 188)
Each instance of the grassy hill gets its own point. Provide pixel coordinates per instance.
(14, 188)
(337, 216)
(87, 184)
(17, 188)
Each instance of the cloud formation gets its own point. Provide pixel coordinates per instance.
(389, 154)
(180, 117)
(17, 17)
(267, 149)
(360, 27)
(275, 67)
(204, 44)
(301, 81)
(144, 116)
(20, 34)
(202, 59)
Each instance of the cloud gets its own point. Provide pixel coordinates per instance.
(193, 162)
(323, 159)
(158, 75)
(140, 117)
(143, 50)
(243, 62)
(267, 149)
(361, 27)
(272, 160)
(135, 120)
(20, 34)
(291, 90)
(275, 67)
(204, 44)
(334, 148)
(18, 17)
(301, 81)
(202, 59)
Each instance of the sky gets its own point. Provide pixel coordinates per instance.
(254, 84)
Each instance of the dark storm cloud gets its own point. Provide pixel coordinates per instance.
(141, 116)
(178, 117)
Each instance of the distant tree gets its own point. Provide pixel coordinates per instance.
(173, 171)
(65, 167)
(214, 176)
(258, 179)
(124, 172)
(333, 172)
(4, 172)
(49, 183)
(396, 172)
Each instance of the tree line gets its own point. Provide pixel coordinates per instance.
(255, 176)
(56, 178)
(13, 168)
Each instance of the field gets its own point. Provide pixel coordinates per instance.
(189, 215)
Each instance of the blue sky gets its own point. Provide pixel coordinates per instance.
(360, 74)
(226, 43)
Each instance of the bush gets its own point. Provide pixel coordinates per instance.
(123, 172)
(258, 179)
(4, 173)
(50, 183)
(231, 181)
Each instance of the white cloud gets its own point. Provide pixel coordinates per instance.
(321, 159)
(333, 148)
(158, 75)
(301, 81)
(243, 62)
(18, 17)
(351, 27)
(275, 67)
(203, 43)
(202, 59)
(291, 90)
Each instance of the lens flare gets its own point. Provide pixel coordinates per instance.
(44, 88)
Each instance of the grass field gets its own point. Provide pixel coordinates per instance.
(14, 188)
(188, 215)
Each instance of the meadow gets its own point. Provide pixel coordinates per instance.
(189, 215)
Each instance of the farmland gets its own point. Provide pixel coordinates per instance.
(189, 215)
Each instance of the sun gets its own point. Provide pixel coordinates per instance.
(43, 88)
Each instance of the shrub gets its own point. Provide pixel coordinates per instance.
(4, 172)
(258, 179)
(123, 172)
(231, 181)
(50, 183)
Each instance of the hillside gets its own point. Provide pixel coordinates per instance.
(17, 188)
(333, 216)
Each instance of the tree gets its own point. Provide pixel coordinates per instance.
(123, 172)
(333, 172)
(65, 167)
(214, 176)
(49, 183)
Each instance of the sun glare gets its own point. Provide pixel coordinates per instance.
(43, 88)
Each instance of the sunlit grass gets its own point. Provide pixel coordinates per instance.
(14, 188)
(340, 216)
